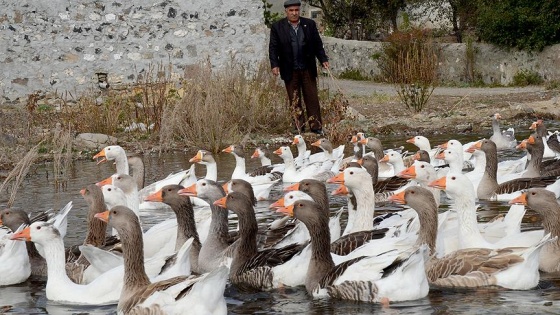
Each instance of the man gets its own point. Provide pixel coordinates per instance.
(294, 45)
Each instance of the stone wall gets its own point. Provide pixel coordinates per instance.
(61, 45)
(491, 64)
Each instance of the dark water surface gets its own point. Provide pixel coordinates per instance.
(38, 194)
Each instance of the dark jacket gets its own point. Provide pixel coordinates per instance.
(280, 47)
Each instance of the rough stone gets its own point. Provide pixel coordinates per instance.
(92, 141)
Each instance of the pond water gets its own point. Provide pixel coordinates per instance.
(38, 193)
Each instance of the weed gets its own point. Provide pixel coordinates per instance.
(526, 77)
(353, 74)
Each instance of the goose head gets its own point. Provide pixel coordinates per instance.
(236, 202)
(123, 181)
(38, 232)
(242, 186)
(236, 150)
(13, 219)
(113, 196)
(284, 152)
(109, 153)
(121, 218)
(421, 171)
(307, 211)
(541, 200)
(260, 152)
(289, 198)
(341, 190)
(299, 141)
(369, 162)
(203, 157)
(323, 144)
(392, 157)
(165, 194)
(421, 142)
(204, 188)
(416, 197)
(455, 185)
(91, 194)
(421, 155)
(352, 177)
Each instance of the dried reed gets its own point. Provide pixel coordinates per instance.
(18, 173)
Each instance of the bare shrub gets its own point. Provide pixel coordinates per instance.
(219, 108)
(409, 61)
(18, 173)
(62, 157)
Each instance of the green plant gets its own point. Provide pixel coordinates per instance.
(353, 74)
(409, 62)
(526, 77)
(269, 16)
(523, 24)
(552, 85)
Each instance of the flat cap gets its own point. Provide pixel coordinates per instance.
(289, 3)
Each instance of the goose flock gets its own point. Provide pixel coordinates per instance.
(182, 265)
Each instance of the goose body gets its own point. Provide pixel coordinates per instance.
(14, 262)
(504, 140)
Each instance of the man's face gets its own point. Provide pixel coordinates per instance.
(292, 12)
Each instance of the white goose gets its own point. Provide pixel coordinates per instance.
(291, 173)
(423, 143)
(262, 183)
(461, 190)
(14, 261)
(511, 267)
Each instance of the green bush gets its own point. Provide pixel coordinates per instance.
(523, 24)
(526, 77)
(353, 74)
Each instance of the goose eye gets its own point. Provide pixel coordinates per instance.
(533, 193)
(422, 166)
(351, 173)
(453, 178)
(203, 184)
(114, 212)
(108, 149)
(118, 177)
(108, 189)
(412, 192)
(39, 227)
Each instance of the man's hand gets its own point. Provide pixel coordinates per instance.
(276, 70)
(326, 64)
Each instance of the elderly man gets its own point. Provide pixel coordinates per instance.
(294, 45)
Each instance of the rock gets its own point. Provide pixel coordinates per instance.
(481, 106)
(7, 140)
(93, 141)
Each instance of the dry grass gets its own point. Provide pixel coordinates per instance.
(17, 174)
(220, 108)
(62, 157)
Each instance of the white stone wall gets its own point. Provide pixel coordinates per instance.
(59, 45)
(492, 64)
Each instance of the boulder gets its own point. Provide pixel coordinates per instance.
(93, 141)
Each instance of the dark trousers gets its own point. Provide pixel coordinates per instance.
(304, 83)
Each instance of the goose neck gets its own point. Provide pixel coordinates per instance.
(122, 164)
(496, 126)
(239, 171)
(428, 226)
(186, 226)
(56, 260)
(133, 254)
(365, 200)
(212, 171)
(469, 234)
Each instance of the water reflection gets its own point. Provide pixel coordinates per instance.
(38, 194)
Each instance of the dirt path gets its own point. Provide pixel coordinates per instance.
(377, 109)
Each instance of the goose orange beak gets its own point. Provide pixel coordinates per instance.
(354, 139)
(289, 210)
(106, 181)
(363, 141)
(100, 154)
(411, 140)
(521, 200)
(416, 156)
(439, 183)
(316, 143)
(522, 145)
(441, 155)
(197, 158)
(1, 223)
(296, 141)
(340, 191)
(398, 198)
(225, 186)
(278, 204)
(189, 191)
(228, 149)
(103, 216)
(409, 172)
(278, 151)
(221, 202)
(82, 191)
(23, 235)
(474, 147)
(338, 179)
(533, 125)
(292, 187)
(531, 140)
(255, 154)
(385, 158)
(155, 197)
